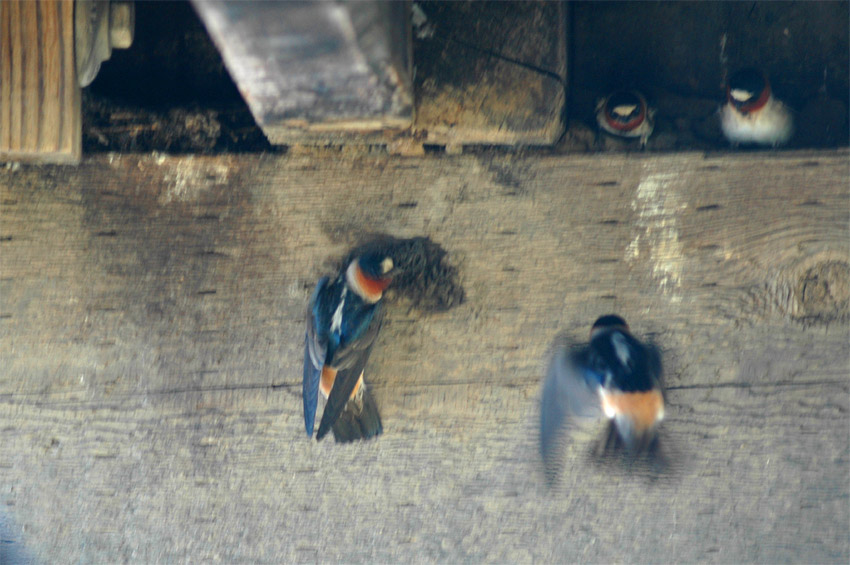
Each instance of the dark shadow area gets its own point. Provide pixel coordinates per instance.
(171, 91)
(679, 54)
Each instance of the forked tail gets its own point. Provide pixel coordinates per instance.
(359, 419)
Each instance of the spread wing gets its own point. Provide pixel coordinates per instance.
(349, 363)
(566, 397)
(315, 349)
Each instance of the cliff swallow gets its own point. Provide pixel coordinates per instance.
(752, 114)
(615, 376)
(343, 321)
(626, 114)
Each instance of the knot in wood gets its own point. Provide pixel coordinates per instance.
(823, 292)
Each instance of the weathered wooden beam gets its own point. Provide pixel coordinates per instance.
(40, 113)
(152, 326)
(317, 71)
(491, 73)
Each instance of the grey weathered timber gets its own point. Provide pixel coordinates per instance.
(317, 71)
(151, 334)
(481, 78)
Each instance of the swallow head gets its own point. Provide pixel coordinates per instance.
(376, 266)
(608, 321)
(629, 372)
(626, 114)
(752, 114)
(748, 90)
(625, 111)
(370, 274)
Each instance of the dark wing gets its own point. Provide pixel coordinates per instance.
(315, 349)
(567, 396)
(349, 363)
(656, 369)
(359, 420)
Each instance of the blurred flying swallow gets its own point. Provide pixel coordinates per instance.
(752, 114)
(343, 321)
(614, 376)
(626, 114)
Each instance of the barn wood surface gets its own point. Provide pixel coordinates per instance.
(40, 111)
(152, 317)
(480, 81)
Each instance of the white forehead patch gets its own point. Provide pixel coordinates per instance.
(621, 348)
(624, 109)
(386, 265)
(740, 95)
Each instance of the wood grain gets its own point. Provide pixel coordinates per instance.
(40, 112)
(317, 72)
(151, 322)
(479, 80)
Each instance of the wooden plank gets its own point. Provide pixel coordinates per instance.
(40, 112)
(317, 71)
(151, 322)
(481, 80)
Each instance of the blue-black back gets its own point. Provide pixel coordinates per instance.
(638, 372)
(357, 315)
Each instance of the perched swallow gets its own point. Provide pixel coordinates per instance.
(343, 321)
(752, 114)
(615, 376)
(626, 114)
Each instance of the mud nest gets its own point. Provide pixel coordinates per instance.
(426, 277)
